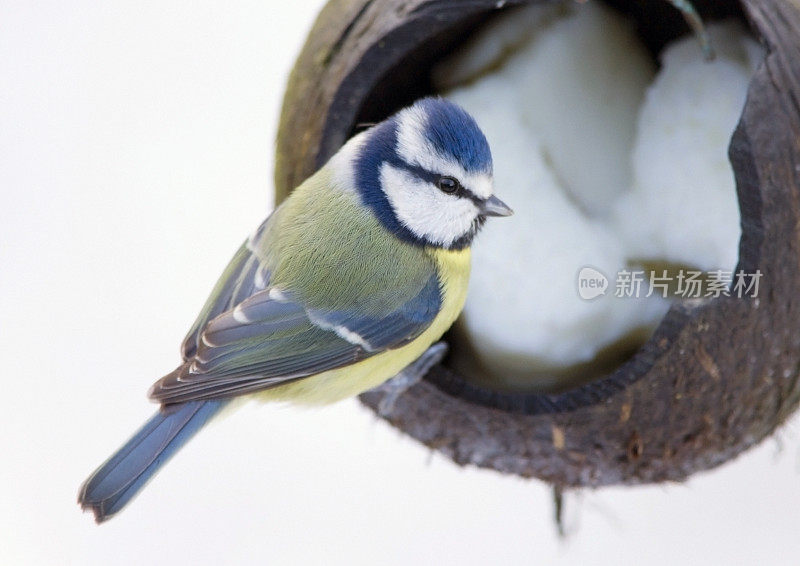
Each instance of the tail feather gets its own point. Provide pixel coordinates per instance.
(121, 477)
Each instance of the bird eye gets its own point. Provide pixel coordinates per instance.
(448, 184)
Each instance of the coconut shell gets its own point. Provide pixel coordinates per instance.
(717, 376)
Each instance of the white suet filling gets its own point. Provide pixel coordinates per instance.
(604, 163)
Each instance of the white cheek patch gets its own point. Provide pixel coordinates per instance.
(425, 210)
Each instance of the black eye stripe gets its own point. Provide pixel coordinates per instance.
(433, 178)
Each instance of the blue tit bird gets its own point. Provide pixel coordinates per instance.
(347, 282)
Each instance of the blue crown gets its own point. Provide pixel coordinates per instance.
(455, 134)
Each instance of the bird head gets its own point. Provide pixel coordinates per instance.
(426, 173)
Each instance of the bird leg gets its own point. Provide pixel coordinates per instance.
(411, 375)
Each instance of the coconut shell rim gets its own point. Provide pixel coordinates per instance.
(544, 422)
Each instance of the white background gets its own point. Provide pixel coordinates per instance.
(136, 147)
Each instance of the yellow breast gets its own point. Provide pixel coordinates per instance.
(334, 385)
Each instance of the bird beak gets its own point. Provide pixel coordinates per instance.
(493, 206)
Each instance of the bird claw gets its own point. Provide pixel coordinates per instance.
(692, 18)
(408, 377)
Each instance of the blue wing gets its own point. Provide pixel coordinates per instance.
(244, 276)
(271, 338)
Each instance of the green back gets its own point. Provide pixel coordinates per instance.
(333, 253)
